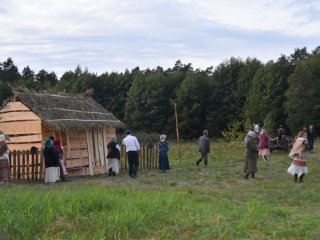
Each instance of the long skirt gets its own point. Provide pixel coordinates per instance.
(298, 166)
(113, 163)
(4, 170)
(163, 162)
(52, 174)
(264, 152)
(63, 167)
(250, 166)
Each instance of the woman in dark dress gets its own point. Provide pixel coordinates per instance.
(52, 162)
(163, 154)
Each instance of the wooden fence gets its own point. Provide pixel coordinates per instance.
(27, 166)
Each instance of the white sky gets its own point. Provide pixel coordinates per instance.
(112, 35)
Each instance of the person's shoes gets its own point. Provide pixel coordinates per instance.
(206, 163)
(133, 176)
(113, 174)
(252, 175)
(246, 176)
(197, 163)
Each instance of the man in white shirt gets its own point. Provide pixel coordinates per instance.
(132, 148)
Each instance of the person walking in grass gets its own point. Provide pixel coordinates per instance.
(204, 148)
(163, 154)
(132, 148)
(264, 144)
(251, 152)
(298, 167)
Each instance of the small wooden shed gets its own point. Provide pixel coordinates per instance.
(83, 126)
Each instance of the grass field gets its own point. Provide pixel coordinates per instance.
(188, 202)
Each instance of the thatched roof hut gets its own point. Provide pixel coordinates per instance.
(67, 112)
(83, 126)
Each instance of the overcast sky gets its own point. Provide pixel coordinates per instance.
(112, 35)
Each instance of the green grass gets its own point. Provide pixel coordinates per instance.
(188, 202)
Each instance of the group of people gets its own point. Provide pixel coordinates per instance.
(132, 146)
(302, 143)
(53, 159)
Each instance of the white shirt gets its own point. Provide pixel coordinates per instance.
(131, 143)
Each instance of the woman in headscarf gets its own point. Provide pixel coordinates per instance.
(264, 144)
(298, 167)
(163, 154)
(4, 163)
(52, 162)
(63, 170)
(113, 156)
(251, 152)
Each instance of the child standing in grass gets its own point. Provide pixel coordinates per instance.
(264, 145)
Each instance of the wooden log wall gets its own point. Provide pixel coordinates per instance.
(21, 125)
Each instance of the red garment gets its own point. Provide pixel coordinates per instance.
(57, 145)
(263, 141)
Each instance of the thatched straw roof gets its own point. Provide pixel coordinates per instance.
(67, 112)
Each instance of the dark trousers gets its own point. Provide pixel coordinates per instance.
(133, 160)
(204, 157)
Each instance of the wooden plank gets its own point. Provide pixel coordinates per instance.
(14, 165)
(42, 167)
(77, 162)
(18, 116)
(31, 127)
(83, 171)
(101, 148)
(78, 154)
(96, 148)
(23, 165)
(105, 149)
(90, 151)
(32, 166)
(78, 143)
(99, 170)
(14, 106)
(74, 135)
(36, 172)
(23, 146)
(26, 138)
(28, 165)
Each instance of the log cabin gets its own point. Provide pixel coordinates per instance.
(83, 126)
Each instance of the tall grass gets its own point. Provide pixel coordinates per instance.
(189, 202)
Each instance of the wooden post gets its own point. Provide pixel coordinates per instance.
(177, 132)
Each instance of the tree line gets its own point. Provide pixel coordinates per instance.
(282, 92)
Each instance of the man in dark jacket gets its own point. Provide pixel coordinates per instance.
(204, 148)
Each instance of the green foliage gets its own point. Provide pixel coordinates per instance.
(269, 123)
(237, 131)
(192, 104)
(303, 95)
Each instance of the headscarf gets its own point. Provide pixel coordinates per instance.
(57, 145)
(48, 143)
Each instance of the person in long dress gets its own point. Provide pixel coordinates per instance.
(298, 167)
(251, 152)
(163, 154)
(63, 170)
(264, 144)
(113, 157)
(4, 163)
(52, 162)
